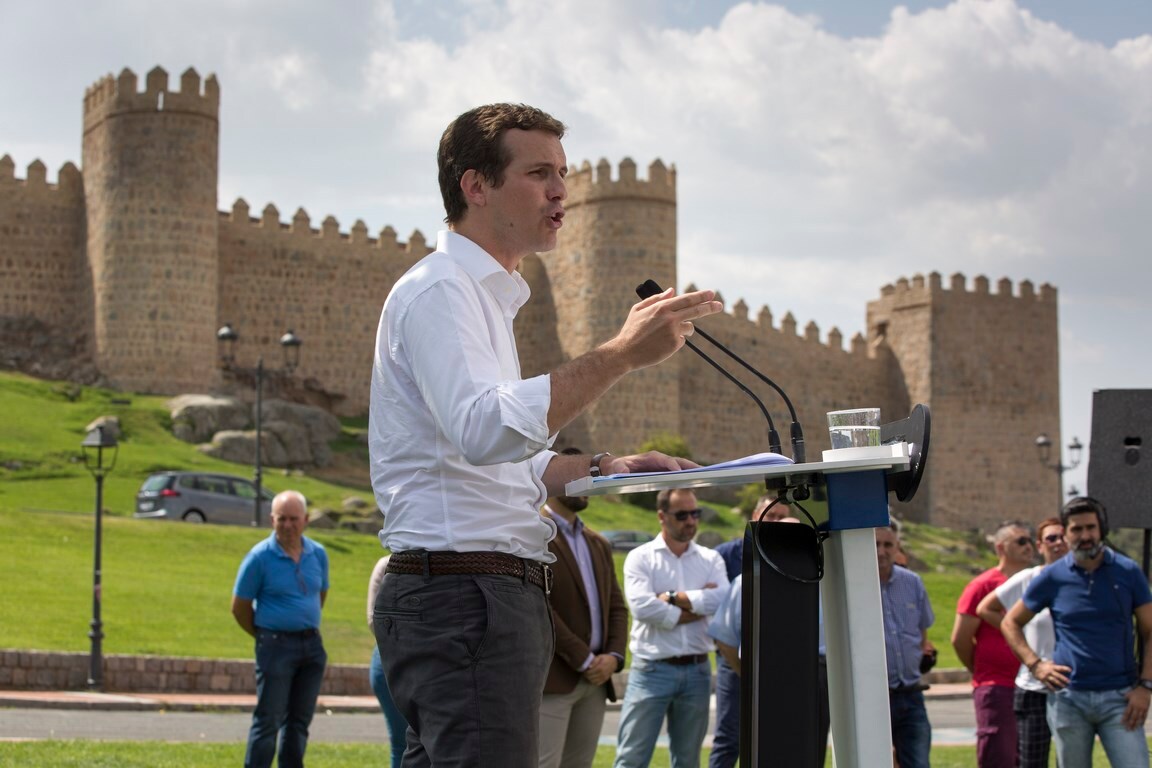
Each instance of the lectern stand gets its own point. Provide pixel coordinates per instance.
(782, 589)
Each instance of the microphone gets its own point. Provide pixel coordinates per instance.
(651, 288)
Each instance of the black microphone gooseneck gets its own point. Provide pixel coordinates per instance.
(651, 288)
(646, 290)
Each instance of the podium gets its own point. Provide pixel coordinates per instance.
(786, 575)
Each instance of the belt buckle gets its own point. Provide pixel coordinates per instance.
(547, 578)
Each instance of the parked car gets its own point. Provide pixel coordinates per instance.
(624, 541)
(200, 497)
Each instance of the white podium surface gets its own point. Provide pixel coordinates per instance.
(853, 614)
(885, 457)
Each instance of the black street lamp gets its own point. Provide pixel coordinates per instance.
(1044, 450)
(98, 439)
(290, 343)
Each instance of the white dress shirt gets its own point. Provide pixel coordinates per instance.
(1040, 632)
(458, 441)
(650, 570)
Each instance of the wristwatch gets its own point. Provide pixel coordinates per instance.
(1145, 684)
(672, 598)
(594, 468)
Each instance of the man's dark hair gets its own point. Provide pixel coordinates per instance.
(1082, 505)
(475, 141)
(664, 498)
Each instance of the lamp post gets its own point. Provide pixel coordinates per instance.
(98, 439)
(226, 337)
(1044, 450)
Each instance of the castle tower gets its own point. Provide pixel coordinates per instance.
(616, 234)
(988, 366)
(150, 172)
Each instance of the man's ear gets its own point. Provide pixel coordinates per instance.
(475, 188)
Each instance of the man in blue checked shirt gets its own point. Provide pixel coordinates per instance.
(279, 592)
(907, 616)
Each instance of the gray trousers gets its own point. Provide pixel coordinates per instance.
(466, 658)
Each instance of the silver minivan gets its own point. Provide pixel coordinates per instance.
(200, 497)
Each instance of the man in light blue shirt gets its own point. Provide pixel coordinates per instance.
(280, 589)
(907, 616)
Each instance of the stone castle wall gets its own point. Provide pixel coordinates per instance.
(989, 364)
(135, 260)
(150, 176)
(326, 286)
(42, 262)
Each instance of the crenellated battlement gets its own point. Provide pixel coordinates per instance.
(110, 96)
(329, 231)
(750, 331)
(69, 182)
(587, 184)
(919, 288)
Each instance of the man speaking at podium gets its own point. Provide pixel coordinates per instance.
(459, 446)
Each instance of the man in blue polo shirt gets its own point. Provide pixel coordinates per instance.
(279, 592)
(1092, 594)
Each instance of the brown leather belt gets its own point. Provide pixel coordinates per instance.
(418, 562)
(680, 661)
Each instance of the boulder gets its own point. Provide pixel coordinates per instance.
(293, 442)
(240, 448)
(322, 518)
(353, 503)
(111, 426)
(196, 418)
(294, 435)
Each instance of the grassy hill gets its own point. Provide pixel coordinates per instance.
(167, 586)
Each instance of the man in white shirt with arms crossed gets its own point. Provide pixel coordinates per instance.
(459, 446)
(672, 586)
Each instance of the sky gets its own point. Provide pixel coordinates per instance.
(823, 149)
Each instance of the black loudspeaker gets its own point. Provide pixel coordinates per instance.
(1120, 456)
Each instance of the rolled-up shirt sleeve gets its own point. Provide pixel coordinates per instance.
(641, 594)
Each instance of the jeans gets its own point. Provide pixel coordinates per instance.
(397, 725)
(289, 671)
(656, 688)
(726, 740)
(995, 726)
(1077, 717)
(466, 657)
(911, 731)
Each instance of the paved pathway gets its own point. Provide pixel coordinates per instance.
(225, 718)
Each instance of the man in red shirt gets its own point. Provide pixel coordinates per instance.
(982, 649)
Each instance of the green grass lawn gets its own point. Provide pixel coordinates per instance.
(125, 754)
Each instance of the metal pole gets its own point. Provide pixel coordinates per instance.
(96, 661)
(259, 438)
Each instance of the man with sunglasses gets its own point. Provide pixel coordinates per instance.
(1033, 737)
(672, 586)
(1098, 688)
(983, 650)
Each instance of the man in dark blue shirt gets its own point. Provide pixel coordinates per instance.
(280, 589)
(1092, 594)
